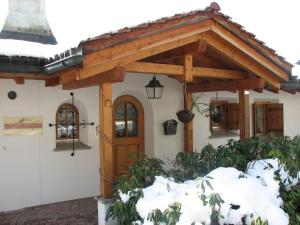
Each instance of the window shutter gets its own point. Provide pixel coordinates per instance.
(275, 118)
(233, 116)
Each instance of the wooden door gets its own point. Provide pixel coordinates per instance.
(128, 132)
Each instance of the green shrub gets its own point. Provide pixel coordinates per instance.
(140, 175)
(236, 153)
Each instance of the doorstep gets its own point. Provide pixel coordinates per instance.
(103, 205)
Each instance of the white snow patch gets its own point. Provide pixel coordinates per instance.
(253, 194)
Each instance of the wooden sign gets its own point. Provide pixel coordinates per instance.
(27, 125)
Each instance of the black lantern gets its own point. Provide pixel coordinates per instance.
(154, 89)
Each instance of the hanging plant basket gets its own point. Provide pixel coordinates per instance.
(185, 115)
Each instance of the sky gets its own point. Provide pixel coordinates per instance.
(275, 22)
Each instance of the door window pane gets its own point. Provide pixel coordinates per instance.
(120, 119)
(126, 118)
(131, 120)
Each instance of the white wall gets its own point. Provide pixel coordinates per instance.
(31, 173)
(156, 112)
(291, 109)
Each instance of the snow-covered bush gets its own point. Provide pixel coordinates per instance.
(204, 188)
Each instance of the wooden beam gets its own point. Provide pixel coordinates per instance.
(53, 81)
(198, 47)
(205, 61)
(26, 76)
(141, 48)
(242, 59)
(19, 80)
(188, 69)
(276, 91)
(251, 83)
(188, 127)
(69, 75)
(292, 92)
(106, 140)
(155, 68)
(177, 70)
(250, 51)
(112, 76)
(244, 118)
(260, 90)
(218, 73)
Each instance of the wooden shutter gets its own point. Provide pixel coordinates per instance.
(260, 121)
(275, 118)
(233, 116)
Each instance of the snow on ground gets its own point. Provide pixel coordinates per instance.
(255, 194)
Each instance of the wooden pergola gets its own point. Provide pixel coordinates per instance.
(203, 49)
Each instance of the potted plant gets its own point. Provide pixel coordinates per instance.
(186, 115)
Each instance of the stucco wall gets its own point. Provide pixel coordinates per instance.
(31, 173)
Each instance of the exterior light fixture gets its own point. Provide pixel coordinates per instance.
(154, 89)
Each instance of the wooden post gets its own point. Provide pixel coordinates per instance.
(106, 140)
(188, 127)
(244, 118)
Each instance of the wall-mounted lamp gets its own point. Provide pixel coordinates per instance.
(154, 89)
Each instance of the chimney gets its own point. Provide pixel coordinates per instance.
(26, 20)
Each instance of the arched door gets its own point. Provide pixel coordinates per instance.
(128, 132)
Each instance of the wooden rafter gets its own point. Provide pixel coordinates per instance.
(251, 83)
(112, 76)
(246, 49)
(203, 60)
(241, 59)
(198, 47)
(138, 49)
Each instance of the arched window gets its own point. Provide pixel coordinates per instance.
(67, 119)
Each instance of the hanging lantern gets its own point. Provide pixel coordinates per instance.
(154, 89)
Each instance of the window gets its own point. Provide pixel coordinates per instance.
(224, 117)
(67, 118)
(267, 118)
